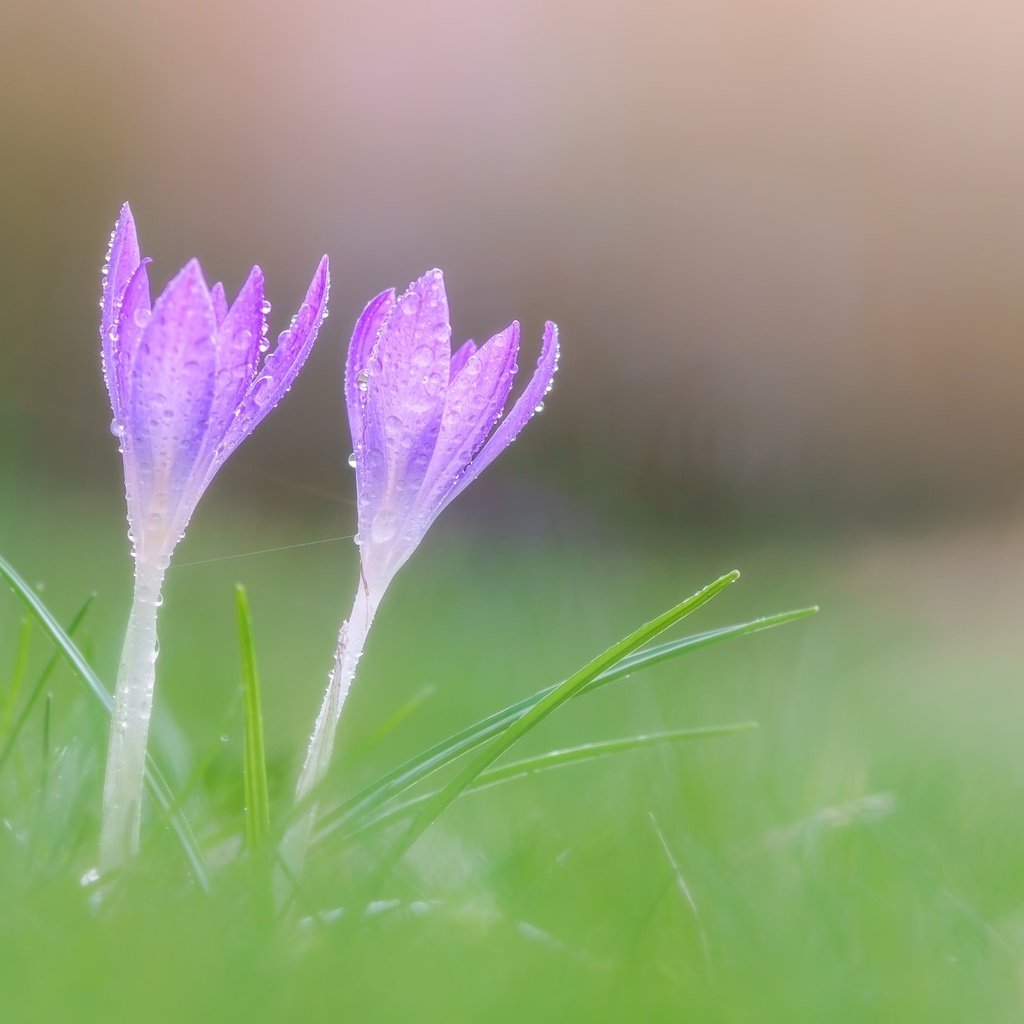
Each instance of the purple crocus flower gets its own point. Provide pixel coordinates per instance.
(423, 423)
(188, 382)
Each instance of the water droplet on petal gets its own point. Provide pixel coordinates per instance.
(352, 460)
(260, 392)
(142, 316)
(117, 428)
(383, 528)
(363, 380)
(266, 307)
(539, 407)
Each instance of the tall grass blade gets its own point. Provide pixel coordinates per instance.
(48, 668)
(158, 787)
(554, 759)
(433, 808)
(420, 767)
(17, 675)
(257, 801)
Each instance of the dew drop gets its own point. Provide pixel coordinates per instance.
(363, 380)
(539, 407)
(260, 392)
(352, 461)
(266, 307)
(383, 528)
(117, 428)
(142, 316)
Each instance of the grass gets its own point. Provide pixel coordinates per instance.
(857, 857)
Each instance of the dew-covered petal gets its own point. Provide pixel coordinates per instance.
(527, 405)
(476, 398)
(357, 376)
(408, 379)
(171, 392)
(237, 346)
(122, 262)
(280, 369)
(220, 302)
(132, 318)
(459, 357)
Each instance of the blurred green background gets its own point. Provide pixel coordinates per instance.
(784, 246)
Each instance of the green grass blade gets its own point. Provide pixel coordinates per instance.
(554, 759)
(158, 787)
(434, 807)
(420, 767)
(48, 668)
(257, 800)
(17, 675)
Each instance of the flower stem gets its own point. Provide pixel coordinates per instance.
(129, 724)
(351, 639)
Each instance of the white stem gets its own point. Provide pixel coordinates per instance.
(351, 639)
(129, 724)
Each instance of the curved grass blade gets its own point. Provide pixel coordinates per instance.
(158, 787)
(26, 711)
(257, 802)
(17, 675)
(562, 759)
(431, 809)
(420, 767)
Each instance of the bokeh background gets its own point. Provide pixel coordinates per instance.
(784, 242)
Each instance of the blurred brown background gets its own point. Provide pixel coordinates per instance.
(784, 241)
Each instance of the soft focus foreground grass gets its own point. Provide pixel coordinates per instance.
(858, 858)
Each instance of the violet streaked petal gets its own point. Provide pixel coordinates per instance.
(459, 357)
(280, 369)
(133, 315)
(476, 398)
(405, 401)
(220, 302)
(171, 391)
(122, 261)
(364, 337)
(237, 345)
(528, 404)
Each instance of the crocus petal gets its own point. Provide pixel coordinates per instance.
(528, 404)
(132, 318)
(237, 347)
(122, 261)
(405, 402)
(171, 391)
(280, 369)
(459, 357)
(364, 337)
(220, 302)
(476, 398)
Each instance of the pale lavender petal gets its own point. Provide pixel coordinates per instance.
(133, 316)
(529, 403)
(280, 369)
(220, 302)
(122, 261)
(171, 391)
(364, 337)
(405, 401)
(459, 357)
(476, 399)
(238, 338)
